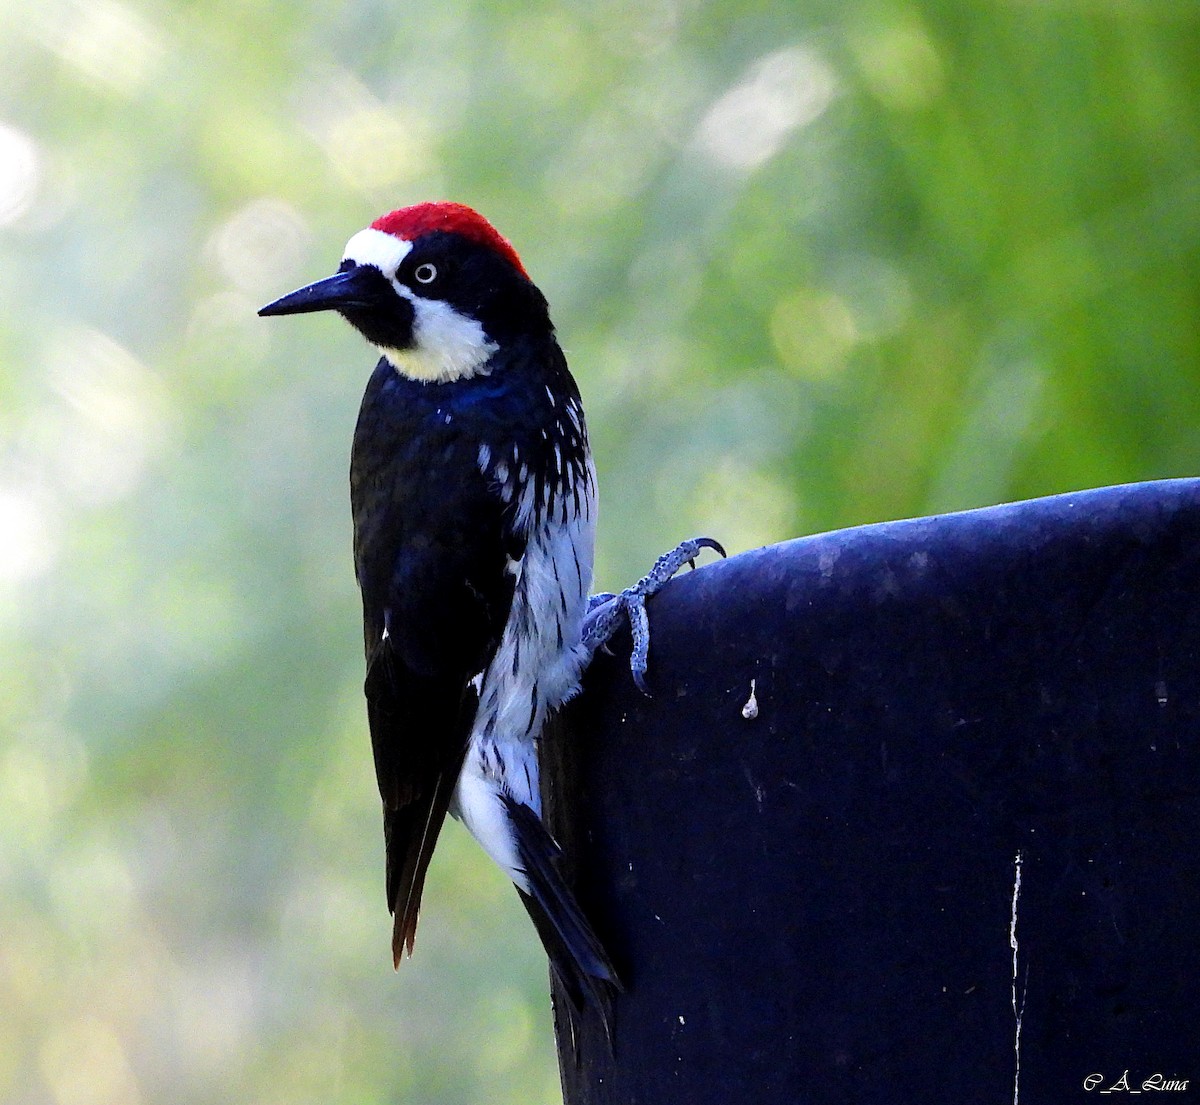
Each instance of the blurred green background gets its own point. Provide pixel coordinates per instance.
(813, 265)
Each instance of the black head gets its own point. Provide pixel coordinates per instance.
(435, 287)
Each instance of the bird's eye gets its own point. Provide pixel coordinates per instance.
(425, 274)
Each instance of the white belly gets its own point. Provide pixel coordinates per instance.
(535, 670)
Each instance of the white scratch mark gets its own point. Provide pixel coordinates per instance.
(1018, 1009)
(750, 710)
(755, 785)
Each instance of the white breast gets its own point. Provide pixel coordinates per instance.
(540, 659)
(536, 668)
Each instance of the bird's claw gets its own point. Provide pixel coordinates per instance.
(670, 562)
(606, 611)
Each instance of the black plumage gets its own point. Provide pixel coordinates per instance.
(432, 538)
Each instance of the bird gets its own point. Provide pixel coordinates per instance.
(474, 506)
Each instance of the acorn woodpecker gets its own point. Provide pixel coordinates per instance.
(474, 505)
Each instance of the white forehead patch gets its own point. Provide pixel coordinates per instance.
(375, 247)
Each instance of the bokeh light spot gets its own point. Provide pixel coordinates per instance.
(371, 145)
(747, 507)
(27, 546)
(84, 1063)
(901, 65)
(813, 332)
(261, 245)
(20, 172)
(108, 42)
(779, 93)
(117, 416)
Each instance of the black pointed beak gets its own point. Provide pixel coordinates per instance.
(356, 287)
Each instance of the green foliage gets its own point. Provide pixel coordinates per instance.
(812, 266)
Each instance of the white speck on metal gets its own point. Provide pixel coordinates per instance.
(750, 710)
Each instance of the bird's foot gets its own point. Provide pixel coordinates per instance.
(606, 611)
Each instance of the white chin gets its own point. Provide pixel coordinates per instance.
(447, 345)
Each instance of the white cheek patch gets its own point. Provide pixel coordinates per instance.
(447, 345)
(374, 247)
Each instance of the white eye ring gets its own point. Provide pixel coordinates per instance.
(425, 274)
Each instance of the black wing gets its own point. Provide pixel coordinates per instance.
(431, 550)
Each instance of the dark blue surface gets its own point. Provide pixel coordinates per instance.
(815, 905)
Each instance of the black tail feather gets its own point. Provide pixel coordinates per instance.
(416, 776)
(577, 958)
